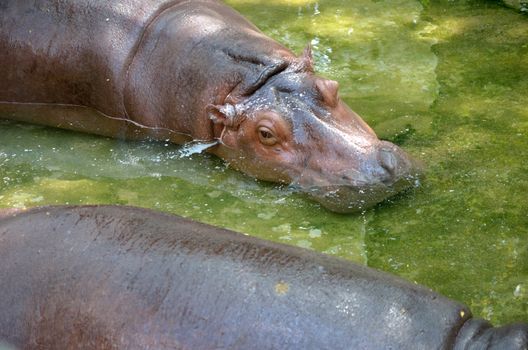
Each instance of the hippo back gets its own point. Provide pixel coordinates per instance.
(70, 52)
(118, 277)
(156, 63)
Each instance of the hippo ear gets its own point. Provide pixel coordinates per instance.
(221, 114)
(328, 90)
(307, 62)
(304, 63)
(224, 114)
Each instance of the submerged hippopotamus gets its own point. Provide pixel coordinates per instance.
(193, 71)
(127, 278)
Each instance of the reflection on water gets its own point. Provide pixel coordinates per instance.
(447, 82)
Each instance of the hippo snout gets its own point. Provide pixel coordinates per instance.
(388, 160)
(396, 163)
(386, 171)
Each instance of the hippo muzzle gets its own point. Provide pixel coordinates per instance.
(388, 171)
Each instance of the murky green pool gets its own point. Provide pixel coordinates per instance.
(448, 82)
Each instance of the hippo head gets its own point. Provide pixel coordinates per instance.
(292, 127)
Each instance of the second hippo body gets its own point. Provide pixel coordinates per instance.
(127, 278)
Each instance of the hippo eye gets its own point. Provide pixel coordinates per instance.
(266, 136)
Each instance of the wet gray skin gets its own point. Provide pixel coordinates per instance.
(321, 147)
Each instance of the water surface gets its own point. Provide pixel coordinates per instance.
(446, 82)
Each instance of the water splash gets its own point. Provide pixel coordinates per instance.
(195, 147)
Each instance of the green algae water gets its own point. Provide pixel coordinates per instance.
(448, 82)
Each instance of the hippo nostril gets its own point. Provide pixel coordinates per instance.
(388, 160)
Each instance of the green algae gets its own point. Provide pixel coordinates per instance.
(40, 166)
(474, 229)
(447, 81)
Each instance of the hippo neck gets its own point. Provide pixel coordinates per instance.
(209, 54)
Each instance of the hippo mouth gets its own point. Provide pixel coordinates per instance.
(359, 196)
(383, 171)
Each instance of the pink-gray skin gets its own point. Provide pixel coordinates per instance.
(194, 71)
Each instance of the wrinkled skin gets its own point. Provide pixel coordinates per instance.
(194, 70)
(127, 278)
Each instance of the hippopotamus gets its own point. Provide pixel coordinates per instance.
(115, 277)
(197, 71)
